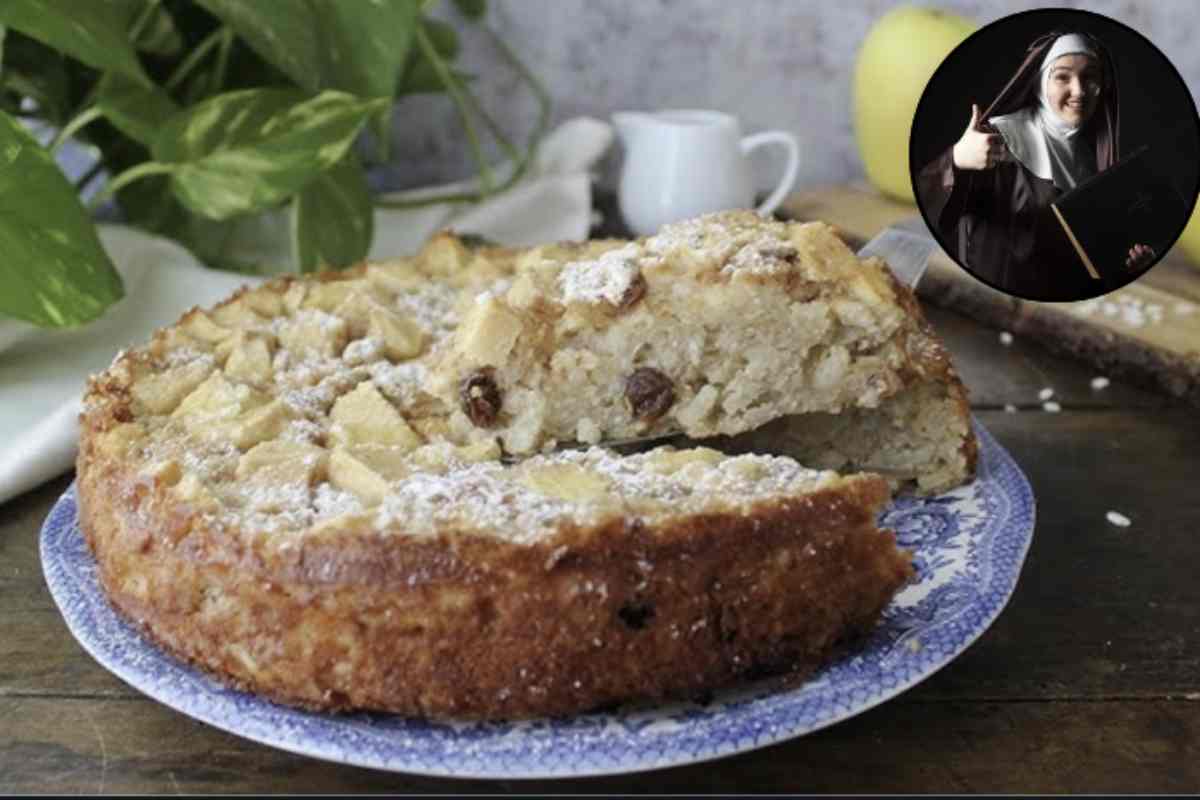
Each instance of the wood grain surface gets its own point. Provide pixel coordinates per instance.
(1088, 682)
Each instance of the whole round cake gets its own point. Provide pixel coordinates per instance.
(387, 488)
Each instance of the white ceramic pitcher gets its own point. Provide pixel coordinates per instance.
(682, 163)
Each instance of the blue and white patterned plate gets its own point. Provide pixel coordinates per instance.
(969, 544)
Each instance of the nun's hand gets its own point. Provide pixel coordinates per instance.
(978, 149)
(1139, 256)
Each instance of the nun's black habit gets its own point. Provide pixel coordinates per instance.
(998, 221)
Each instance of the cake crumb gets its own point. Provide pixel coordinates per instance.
(1099, 383)
(1051, 406)
(1118, 519)
(1006, 338)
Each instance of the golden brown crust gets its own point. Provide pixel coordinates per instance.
(478, 627)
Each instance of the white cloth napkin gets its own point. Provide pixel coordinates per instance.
(43, 373)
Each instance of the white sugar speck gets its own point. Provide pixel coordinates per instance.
(1099, 382)
(1118, 519)
(1009, 408)
(1006, 338)
(362, 351)
(1131, 311)
(1052, 407)
(607, 278)
(1045, 394)
(490, 496)
(764, 255)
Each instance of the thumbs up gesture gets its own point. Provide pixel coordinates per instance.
(977, 148)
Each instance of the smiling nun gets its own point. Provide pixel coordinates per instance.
(1054, 125)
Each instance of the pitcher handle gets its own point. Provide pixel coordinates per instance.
(792, 146)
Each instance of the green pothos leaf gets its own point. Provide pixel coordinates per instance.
(333, 218)
(365, 44)
(137, 111)
(54, 271)
(284, 34)
(94, 33)
(247, 151)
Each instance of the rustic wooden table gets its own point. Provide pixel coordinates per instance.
(1088, 682)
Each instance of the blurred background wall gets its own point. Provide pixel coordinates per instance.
(774, 63)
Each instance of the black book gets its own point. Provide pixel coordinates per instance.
(1127, 204)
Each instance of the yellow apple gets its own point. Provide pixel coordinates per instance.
(1189, 240)
(896, 60)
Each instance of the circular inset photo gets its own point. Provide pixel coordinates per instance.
(1055, 154)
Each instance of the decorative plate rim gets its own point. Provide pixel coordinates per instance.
(986, 528)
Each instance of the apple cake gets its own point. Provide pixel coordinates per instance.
(477, 589)
(346, 491)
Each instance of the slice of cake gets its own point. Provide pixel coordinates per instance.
(714, 326)
(920, 438)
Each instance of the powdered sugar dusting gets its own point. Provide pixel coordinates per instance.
(330, 501)
(362, 351)
(400, 382)
(431, 306)
(498, 289)
(606, 278)
(718, 234)
(734, 242)
(309, 383)
(286, 507)
(183, 356)
(686, 235)
(273, 498)
(493, 499)
(302, 430)
(765, 255)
